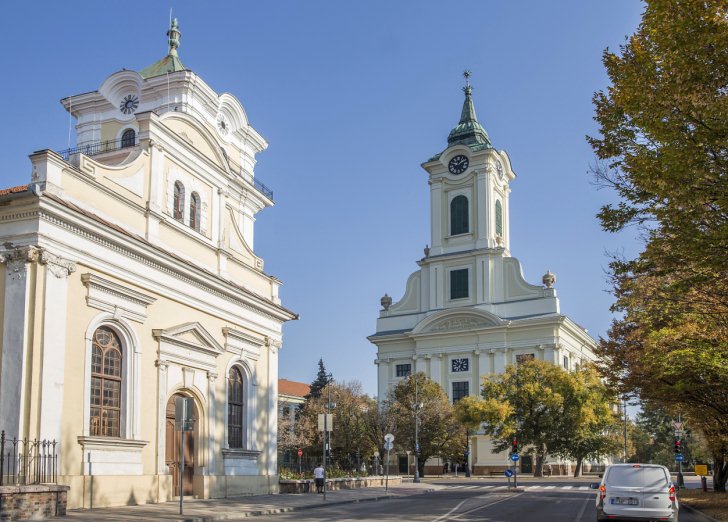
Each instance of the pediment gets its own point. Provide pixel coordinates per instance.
(192, 336)
(455, 321)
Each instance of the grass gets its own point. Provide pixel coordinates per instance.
(710, 503)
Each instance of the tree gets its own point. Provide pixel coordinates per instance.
(664, 150)
(319, 384)
(439, 434)
(543, 406)
(588, 429)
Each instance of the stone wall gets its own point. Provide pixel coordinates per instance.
(32, 502)
(307, 486)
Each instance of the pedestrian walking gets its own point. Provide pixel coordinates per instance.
(318, 477)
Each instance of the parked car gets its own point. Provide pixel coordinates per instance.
(636, 492)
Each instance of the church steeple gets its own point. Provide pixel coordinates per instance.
(170, 63)
(468, 131)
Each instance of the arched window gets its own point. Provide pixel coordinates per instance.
(106, 375)
(195, 211)
(128, 139)
(459, 215)
(178, 210)
(498, 218)
(235, 408)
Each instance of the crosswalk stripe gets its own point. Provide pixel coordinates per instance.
(549, 487)
(567, 487)
(582, 488)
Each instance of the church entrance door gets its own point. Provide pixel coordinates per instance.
(173, 443)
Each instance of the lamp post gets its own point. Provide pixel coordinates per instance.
(417, 407)
(327, 437)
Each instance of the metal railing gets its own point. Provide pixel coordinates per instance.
(100, 147)
(24, 461)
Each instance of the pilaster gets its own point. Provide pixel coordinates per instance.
(481, 207)
(212, 432)
(16, 323)
(162, 376)
(436, 217)
(436, 368)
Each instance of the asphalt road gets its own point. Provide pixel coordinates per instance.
(474, 500)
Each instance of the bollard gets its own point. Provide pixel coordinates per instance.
(704, 483)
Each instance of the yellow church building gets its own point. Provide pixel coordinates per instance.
(129, 278)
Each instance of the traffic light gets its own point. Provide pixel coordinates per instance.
(514, 448)
(678, 446)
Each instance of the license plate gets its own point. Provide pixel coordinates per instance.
(629, 501)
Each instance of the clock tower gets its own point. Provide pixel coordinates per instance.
(469, 188)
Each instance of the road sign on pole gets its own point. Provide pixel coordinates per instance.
(389, 437)
(679, 457)
(388, 446)
(515, 457)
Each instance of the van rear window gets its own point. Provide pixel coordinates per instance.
(636, 477)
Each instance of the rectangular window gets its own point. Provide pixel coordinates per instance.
(404, 370)
(459, 284)
(524, 357)
(459, 390)
(566, 362)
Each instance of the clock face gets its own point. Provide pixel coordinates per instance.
(499, 169)
(129, 104)
(223, 124)
(458, 164)
(460, 365)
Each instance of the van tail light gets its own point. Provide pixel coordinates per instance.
(671, 492)
(603, 492)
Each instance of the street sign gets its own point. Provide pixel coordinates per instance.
(677, 425)
(388, 446)
(376, 453)
(701, 469)
(678, 433)
(679, 457)
(515, 457)
(389, 437)
(417, 447)
(329, 421)
(300, 452)
(508, 473)
(183, 419)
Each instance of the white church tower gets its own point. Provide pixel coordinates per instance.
(468, 311)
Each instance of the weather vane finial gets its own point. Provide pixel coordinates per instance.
(174, 35)
(467, 74)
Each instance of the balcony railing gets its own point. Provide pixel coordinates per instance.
(100, 147)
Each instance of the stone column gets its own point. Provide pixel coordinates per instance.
(15, 339)
(157, 192)
(382, 378)
(53, 344)
(482, 206)
(436, 217)
(420, 365)
(272, 413)
(162, 367)
(212, 443)
(501, 360)
(436, 368)
(483, 369)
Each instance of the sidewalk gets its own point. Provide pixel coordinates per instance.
(242, 507)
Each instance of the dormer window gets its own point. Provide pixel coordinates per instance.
(195, 207)
(128, 139)
(178, 210)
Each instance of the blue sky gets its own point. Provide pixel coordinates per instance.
(353, 97)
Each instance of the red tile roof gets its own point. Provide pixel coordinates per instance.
(13, 190)
(295, 389)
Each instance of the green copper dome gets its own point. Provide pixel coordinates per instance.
(171, 62)
(468, 131)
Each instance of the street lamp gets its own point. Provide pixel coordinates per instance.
(329, 405)
(417, 407)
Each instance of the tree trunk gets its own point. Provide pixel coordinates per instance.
(720, 472)
(577, 469)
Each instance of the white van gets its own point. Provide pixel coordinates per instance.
(638, 492)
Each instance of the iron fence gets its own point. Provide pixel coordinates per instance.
(24, 461)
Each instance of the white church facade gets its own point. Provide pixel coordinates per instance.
(468, 312)
(129, 279)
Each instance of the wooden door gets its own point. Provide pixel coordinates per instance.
(173, 443)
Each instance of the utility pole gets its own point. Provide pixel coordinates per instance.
(625, 427)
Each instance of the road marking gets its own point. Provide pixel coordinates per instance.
(457, 516)
(567, 487)
(549, 487)
(582, 488)
(581, 511)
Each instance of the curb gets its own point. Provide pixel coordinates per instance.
(699, 513)
(276, 511)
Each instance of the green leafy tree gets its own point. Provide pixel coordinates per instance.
(663, 148)
(440, 434)
(589, 428)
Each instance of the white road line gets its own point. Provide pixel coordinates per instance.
(471, 487)
(581, 511)
(531, 488)
(567, 487)
(488, 487)
(582, 488)
(549, 487)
